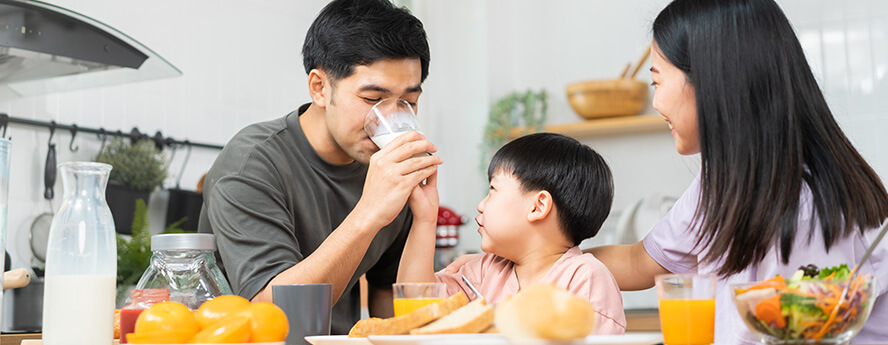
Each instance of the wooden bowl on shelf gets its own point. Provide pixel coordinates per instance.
(606, 98)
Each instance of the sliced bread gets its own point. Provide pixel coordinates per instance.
(473, 318)
(404, 323)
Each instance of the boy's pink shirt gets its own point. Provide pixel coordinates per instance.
(581, 274)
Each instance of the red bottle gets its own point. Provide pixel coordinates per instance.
(140, 299)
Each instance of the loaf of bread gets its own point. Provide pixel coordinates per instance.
(475, 317)
(405, 323)
(545, 311)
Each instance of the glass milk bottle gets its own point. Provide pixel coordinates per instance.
(81, 261)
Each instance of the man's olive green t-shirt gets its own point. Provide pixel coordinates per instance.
(271, 200)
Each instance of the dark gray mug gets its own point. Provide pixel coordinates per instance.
(308, 308)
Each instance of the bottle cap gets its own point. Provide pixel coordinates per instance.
(183, 242)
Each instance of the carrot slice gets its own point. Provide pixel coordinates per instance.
(769, 311)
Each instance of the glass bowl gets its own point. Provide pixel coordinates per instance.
(802, 312)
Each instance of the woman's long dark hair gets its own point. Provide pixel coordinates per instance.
(765, 130)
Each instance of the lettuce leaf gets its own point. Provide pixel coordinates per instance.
(841, 272)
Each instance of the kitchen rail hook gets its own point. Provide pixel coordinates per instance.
(4, 123)
(184, 162)
(73, 134)
(102, 136)
(136, 135)
(52, 128)
(159, 141)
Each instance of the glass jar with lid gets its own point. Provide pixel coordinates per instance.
(185, 264)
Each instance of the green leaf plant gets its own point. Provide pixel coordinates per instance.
(525, 110)
(134, 254)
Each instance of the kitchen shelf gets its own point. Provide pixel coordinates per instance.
(609, 126)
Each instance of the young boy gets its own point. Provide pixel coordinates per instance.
(547, 194)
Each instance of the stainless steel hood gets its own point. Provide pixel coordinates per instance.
(45, 48)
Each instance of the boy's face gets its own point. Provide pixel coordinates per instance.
(503, 215)
(353, 96)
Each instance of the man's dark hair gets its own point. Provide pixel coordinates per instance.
(348, 33)
(576, 176)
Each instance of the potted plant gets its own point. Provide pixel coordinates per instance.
(524, 110)
(138, 169)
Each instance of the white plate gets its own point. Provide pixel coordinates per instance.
(440, 339)
(336, 340)
(635, 338)
(39, 342)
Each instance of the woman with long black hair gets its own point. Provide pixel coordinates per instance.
(780, 187)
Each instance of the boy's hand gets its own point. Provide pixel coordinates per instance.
(423, 201)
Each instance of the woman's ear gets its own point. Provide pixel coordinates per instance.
(318, 84)
(542, 205)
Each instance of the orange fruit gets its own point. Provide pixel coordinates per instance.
(162, 337)
(268, 322)
(232, 329)
(171, 321)
(116, 323)
(219, 308)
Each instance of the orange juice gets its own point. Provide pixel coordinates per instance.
(687, 321)
(404, 306)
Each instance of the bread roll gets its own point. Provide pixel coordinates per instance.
(545, 311)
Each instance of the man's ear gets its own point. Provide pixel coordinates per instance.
(542, 205)
(318, 85)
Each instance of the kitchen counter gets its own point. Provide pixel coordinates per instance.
(16, 338)
(642, 320)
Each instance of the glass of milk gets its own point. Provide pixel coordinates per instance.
(388, 119)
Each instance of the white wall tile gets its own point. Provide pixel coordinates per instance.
(860, 67)
(802, 12)
(878, 8)
(879, 47)
(832, 11)
(811, 39)
(835, 66)
(857, 9)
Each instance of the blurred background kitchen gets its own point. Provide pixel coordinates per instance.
(241, 63)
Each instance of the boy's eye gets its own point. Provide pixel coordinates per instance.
(372, 100)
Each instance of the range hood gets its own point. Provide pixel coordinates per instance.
(45, 48)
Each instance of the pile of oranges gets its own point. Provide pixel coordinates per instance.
(224, 319)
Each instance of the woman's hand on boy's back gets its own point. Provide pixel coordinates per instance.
(460, 261)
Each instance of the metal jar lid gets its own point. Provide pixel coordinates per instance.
(183, 241)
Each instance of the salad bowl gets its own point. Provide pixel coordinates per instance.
(806, 309)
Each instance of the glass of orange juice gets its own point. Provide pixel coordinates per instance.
(411, 296)
(687, 308)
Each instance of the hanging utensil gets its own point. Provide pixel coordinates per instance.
(16, 278)
(184, 203)
(39, 235)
